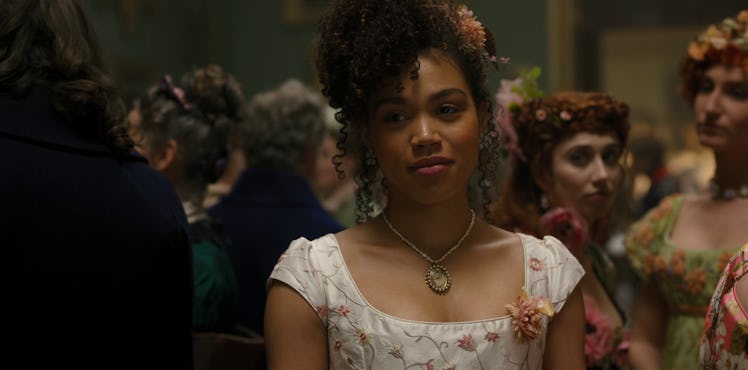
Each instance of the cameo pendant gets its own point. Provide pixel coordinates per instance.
(438, 279)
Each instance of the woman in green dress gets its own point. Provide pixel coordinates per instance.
(680, 248)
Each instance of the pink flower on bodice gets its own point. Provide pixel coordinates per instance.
(527, 315)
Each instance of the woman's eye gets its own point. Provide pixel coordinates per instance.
(579, 159)
(395, 117)
(611, 157)
(447, 109)
(738, 92)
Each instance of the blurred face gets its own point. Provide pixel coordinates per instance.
(585, 174)
(721, 107)
(425, 136)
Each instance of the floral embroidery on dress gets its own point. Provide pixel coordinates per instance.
(536, 264)
(361, 337)
(527, 315)
(725, 338)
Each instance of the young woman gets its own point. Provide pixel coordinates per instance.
(183, 133)
(408, 78)
(681, 247)
(565, 177)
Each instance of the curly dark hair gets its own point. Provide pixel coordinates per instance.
(541, 125)
(200, 118)
(365, 42)
(50, 42)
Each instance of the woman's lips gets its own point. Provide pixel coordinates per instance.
(431, 166)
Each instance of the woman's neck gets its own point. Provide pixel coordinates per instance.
(433, 229)
(730, 169)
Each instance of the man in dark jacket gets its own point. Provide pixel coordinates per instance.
(96, 269)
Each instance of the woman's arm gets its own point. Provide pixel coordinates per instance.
(564, 347)
(294, 335)
(649, 318)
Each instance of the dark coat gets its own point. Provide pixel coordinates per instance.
(96, 269)
(264, 212)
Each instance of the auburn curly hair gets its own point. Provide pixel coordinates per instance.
(541, 125)
(365, 42)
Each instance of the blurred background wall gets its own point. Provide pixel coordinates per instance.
(264, 42)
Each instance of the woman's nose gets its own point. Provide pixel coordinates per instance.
(425, 132)
(714, 102)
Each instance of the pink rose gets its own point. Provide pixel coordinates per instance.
(600, 338)
(567, 225)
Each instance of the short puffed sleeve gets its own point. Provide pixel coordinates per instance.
(303, 267)
(551, 270)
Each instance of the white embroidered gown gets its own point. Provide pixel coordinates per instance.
(362, 337)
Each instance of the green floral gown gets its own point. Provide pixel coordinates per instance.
(685, 278)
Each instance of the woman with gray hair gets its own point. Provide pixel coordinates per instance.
(272, 203)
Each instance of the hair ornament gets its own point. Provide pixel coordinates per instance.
(510, 97)
(172, 91)
(477, 37)
(725, 42)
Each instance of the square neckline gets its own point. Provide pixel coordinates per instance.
(673, 216)
(378, 312)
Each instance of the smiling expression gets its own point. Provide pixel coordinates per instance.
(425, 135)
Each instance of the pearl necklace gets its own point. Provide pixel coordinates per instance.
(718, 192)
(437, 276)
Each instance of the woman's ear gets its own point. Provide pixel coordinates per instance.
(164, 158)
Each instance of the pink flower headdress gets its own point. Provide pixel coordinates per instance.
(527, 315)
(726, 42)
(477, 37)
(566, 224)
(510, 97)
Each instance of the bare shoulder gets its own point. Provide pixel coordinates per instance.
(497, 240)
(358, 235)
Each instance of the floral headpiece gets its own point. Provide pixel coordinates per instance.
(475, 36)
(510, 97)
(726, 42)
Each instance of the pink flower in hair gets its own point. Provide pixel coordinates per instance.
(567, 225)
(540, 115)
(507, 98)
(470, 29)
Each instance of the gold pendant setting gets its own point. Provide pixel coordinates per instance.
(438, 279)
